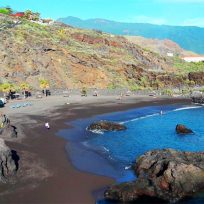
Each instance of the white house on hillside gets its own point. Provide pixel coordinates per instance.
(170, 54)
(193, 59)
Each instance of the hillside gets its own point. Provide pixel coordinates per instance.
(75, 58)
(160, 46)
(188, 37)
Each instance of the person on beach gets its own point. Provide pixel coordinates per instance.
(95, 92)
(47, 125)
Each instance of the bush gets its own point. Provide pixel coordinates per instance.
(5, 11)
(144, 81)
(136, 88)
(186, 91)
(112, 86)
(167, 92)
(186, 67)
(84, 92)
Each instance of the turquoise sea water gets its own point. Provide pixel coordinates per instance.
(111, 153)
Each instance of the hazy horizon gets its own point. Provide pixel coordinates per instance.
(159, 12)
(85, 19)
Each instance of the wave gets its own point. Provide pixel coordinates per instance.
(100, 132)
(187, 108)
(99, 149)
(128, 167)
(164, 112)
(139, 118)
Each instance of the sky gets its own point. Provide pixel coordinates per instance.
(168, 12)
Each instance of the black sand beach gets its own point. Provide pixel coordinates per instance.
(46, 174)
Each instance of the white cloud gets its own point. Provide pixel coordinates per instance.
(148, 19)
(194, 22)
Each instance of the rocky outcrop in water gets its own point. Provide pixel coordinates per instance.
(106, 126)
(8, 162)
(165, 174)
(182, 129)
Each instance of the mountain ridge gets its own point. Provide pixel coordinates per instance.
(188, 37)
(112, 21)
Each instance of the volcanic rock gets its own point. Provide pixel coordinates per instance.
(107, 126)
(166, 174)
(8, 162)
(8, 130)
(197, 77)
(182, 129)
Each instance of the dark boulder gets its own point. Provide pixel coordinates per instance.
(8, 162)
(106, 126)
(7, 130)
(166, 174)
(182, 129)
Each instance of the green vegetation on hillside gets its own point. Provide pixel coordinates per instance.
(71, 57)
(6, 10)
(186, 67)
(28, 14)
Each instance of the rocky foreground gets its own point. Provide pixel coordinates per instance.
(166, 174)
(8, 162)
(8, 157)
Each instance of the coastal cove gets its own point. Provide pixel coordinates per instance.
(111, 154)
(48, 150)
(102, 102)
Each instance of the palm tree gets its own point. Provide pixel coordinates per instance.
(24, 87)
(6, 87)
(29, 15)
(44, 84)
(36, 16)
(9, 9)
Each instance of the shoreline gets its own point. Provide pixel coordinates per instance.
(60, 181)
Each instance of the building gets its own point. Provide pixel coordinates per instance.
(18, 14)
(170, 54)
(194, 59)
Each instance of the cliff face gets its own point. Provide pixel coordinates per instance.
(74, 58)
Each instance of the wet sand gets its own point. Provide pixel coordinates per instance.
(46, 174)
